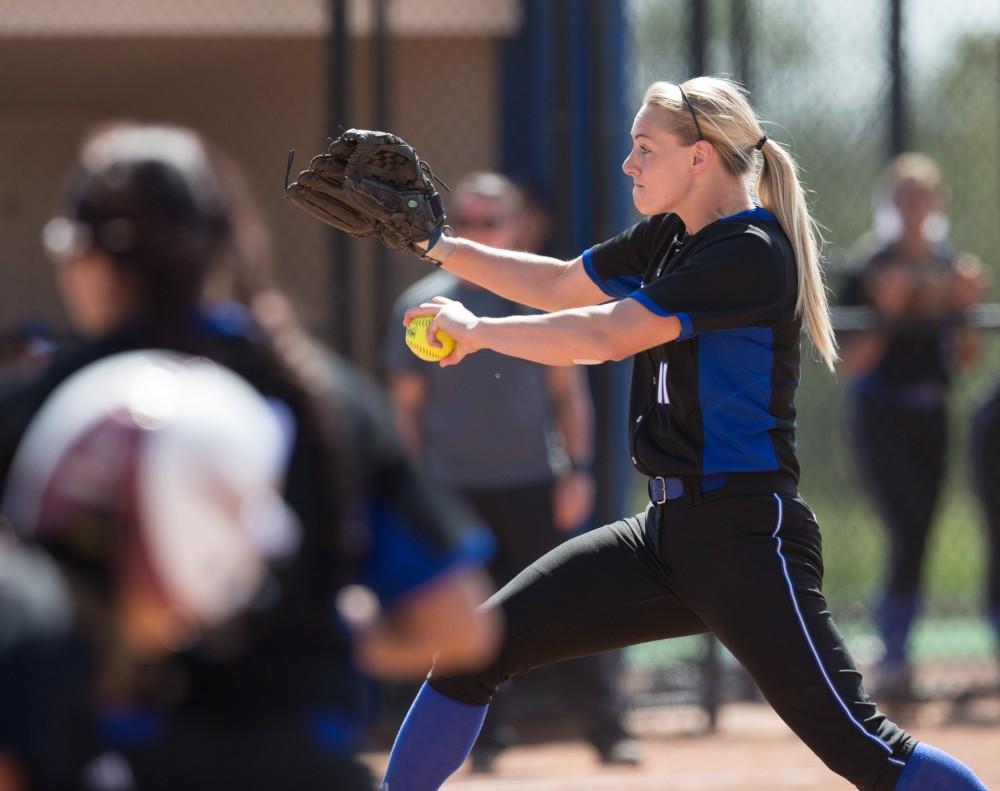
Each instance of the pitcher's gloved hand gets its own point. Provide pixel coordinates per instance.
(373, 184)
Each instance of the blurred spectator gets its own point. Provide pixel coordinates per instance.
(386, 573)
(901, 371)
(515, 439)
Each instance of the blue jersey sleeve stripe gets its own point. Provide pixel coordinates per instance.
(647, 302)
(616, 287)
(399, 561)
(476, 549)
(588, 267)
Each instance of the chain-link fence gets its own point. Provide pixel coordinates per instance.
(845, 86)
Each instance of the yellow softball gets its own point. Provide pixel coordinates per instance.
(416, 339)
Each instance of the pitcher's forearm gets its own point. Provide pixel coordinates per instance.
(568, 337)
(526, 278)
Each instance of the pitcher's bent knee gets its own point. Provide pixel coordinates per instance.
(475, 689)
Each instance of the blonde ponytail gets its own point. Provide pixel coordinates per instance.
(781, 193)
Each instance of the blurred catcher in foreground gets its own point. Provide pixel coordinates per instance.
(147, 513)
(385, 571)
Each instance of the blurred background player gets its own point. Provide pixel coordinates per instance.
(901, 372)
(515, 439)
(150, 218)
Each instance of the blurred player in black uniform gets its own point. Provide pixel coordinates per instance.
(147, 513)
(901, 374)
(386, 571)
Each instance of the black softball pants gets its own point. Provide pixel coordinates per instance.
(901, 457)
(523, 524)
(747, 568)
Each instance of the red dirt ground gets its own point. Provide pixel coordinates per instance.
(752, 749)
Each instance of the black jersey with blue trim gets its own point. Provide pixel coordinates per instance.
(720, 398)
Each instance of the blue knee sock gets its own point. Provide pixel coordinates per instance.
(931, 769)
(433, 742)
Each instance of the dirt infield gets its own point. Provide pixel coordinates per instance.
(752, 749)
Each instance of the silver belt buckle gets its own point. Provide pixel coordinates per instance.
(663, 489)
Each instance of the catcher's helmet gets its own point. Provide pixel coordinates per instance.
(176, 458)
